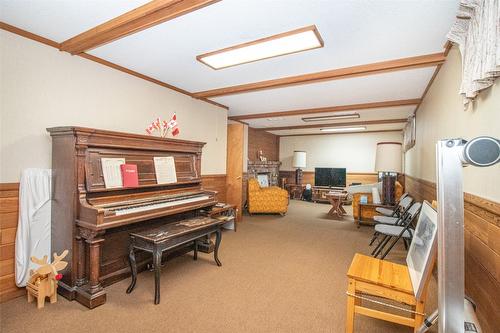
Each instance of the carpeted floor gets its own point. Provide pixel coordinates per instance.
(279, 274)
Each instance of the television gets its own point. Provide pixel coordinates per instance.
(331, 177)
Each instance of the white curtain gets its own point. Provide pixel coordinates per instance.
(33, 229)
(477, 33)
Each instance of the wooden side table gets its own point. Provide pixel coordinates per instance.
(368, 209)
(227, 213)
(295, 190)
(336, 199)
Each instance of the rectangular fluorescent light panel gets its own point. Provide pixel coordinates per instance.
(332, 117)
(298, 40)
(343, 129)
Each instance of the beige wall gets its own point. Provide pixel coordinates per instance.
(355, 152)
(42, 87)
(441, 116)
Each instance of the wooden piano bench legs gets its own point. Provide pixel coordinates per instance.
(150, 242)
(375, 281)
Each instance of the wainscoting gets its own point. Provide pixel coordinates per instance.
(215, 183)
(9, 208)
(482, 250)
(352, 177)
(9, 194)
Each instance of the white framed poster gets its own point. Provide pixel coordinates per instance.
(423, 249)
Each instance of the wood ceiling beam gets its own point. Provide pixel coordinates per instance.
(46, 41)
(355, 132)
(143, 17)
(334, 74)
(351, 123)
(337, 108)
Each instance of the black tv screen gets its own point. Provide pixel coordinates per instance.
(331, 177)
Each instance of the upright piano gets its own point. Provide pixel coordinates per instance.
(93, 222)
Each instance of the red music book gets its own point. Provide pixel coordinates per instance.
(129, 175)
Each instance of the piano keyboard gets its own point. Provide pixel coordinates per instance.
(171, 203)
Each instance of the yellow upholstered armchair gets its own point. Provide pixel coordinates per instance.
(266, 199)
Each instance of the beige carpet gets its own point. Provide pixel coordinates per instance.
(279, 274)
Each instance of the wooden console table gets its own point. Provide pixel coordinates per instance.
(369, 211)
(319, 193)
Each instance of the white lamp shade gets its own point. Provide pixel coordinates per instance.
(299, 159)
(389, 157)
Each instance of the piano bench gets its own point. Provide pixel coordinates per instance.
(168, 237)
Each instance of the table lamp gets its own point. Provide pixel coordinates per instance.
(388, 160)
(299, 162)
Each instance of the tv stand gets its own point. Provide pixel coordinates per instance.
(319, 192)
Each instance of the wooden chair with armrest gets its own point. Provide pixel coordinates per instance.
(395, 286)
(386, 281)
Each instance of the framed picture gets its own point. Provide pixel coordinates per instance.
(409, 134)
(263, 180)
(423, 249)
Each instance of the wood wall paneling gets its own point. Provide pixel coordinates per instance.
(482, 250)
(9, 208)
(215, 183)
(267, 142)
(351, 177)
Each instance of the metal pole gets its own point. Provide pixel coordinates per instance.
(450, 236)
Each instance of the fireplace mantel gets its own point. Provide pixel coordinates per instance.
(271, 168)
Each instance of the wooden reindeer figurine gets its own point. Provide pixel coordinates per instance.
(43, 282)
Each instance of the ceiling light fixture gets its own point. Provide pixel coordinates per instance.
(332, 117)
(343, 129)
(289, 42)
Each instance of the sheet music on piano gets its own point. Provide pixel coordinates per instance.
(112, 172)
(165, 170)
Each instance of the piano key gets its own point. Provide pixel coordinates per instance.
(165, 204)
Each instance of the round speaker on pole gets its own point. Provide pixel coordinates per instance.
(482, 151)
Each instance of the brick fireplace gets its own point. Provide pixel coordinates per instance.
(269, 168)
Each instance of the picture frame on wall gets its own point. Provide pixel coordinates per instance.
(409, 133)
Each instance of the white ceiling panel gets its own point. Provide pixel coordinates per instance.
(373, 88)
(354, 32)
(317, 130)
(59, 20)
(400, 112)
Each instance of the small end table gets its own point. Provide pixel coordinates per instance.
(369, 208)
(336, 199)
(295, 190)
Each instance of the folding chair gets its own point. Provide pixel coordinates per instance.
(404, 231)
(392, 212)
(403, 205)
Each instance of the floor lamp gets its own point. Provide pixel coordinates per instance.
(299, 162)
(388, 160)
